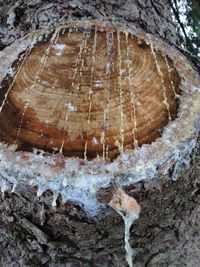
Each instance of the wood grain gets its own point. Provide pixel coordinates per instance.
(87, 93)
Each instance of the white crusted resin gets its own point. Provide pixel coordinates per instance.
(79, 181)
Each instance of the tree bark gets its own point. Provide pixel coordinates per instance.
(33, 233)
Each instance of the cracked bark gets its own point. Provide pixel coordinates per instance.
(32, 233)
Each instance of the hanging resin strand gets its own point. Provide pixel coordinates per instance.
(129, 209)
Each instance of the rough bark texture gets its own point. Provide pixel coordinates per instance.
(32, 233)
(20, 17)
(166, 234)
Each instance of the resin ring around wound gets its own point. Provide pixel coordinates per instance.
(98, 101)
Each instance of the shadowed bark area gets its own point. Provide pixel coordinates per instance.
(33, 233)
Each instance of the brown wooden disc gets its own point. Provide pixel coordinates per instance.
(88, 92)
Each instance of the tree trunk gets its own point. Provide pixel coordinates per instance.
(33, 233)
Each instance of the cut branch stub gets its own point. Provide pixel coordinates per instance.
(88, 92)
(85, 105)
